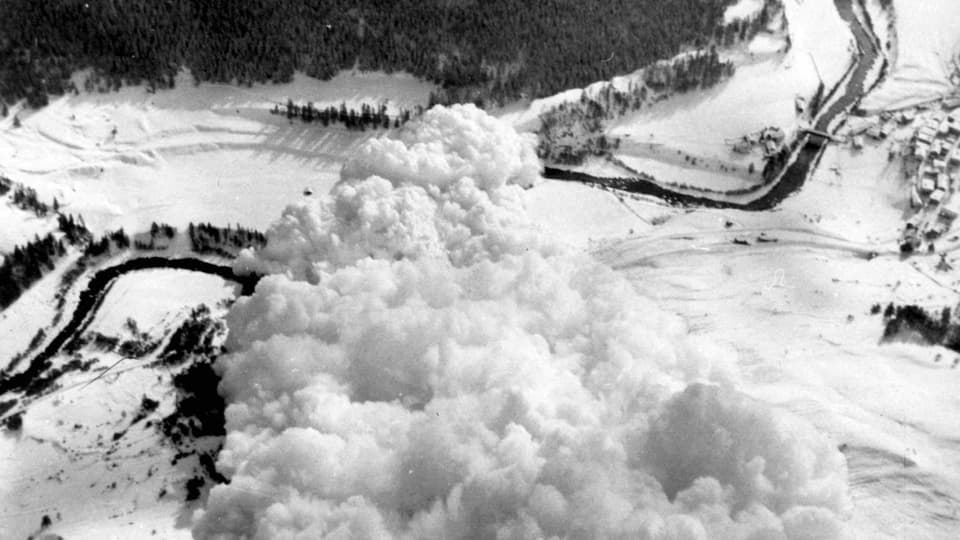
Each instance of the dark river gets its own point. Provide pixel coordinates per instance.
(807, 151)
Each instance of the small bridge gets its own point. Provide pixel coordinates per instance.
(820, 137)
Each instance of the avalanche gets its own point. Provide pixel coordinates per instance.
(422, 362)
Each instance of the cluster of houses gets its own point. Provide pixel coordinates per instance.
(934, 165)
(770, 139)
(879, 131)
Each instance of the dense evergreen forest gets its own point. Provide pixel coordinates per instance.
(475, 50)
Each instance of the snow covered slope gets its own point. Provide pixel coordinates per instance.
(209, 153)
(91, 455)
(927, 49)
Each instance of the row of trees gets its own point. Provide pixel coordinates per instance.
(369, 117)
(226, 241)
(701, 69)
(116, 240)
(493, 50)
(158, 237)
(937, 328)
(26, 199)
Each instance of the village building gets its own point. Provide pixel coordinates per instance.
(952, 209)
(927, 185)
(769, 147)
(942, 148)
(943, 181)
(937, 196)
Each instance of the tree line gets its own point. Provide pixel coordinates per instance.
(369, 117)
(490, 51)
(26, 265)
(225, 241)
(936, 328)
(26, 199)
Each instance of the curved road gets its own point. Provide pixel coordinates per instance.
(636, 252)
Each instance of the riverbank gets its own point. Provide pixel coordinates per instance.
(35, 379)
(788, 176)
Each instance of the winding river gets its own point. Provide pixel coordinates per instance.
(806, 151)
(91, 298)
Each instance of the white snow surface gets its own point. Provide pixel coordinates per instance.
(928, 45)
(743, 9)
(166, 159)
(157, 299)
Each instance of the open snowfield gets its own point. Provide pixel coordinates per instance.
(741, 10)
(785, 309)
(157, 299)
(581, 215)
(928, 45)
(859, 195)
(209, 153)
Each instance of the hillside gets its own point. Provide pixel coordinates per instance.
(475, 50)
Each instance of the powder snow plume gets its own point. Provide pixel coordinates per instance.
(422, 363)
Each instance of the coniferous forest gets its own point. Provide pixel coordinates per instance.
(490, 50)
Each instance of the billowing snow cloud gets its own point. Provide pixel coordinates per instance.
(422, 363)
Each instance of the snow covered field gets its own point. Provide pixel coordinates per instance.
(928, 45)
(798, 317)
(209, 153)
